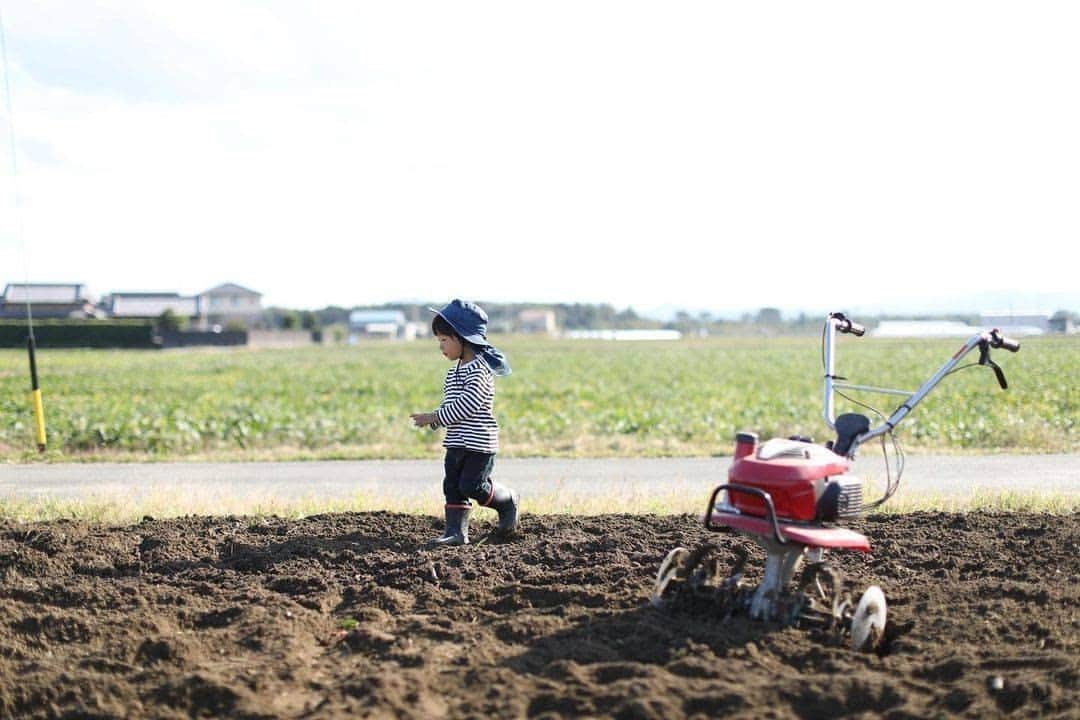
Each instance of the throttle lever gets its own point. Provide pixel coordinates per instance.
(984, 359)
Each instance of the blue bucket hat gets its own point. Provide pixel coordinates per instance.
(470, 322)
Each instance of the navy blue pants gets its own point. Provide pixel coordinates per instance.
(468, 476)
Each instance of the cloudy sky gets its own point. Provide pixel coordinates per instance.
(705, 155)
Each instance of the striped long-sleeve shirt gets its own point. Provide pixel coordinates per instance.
(466, 410)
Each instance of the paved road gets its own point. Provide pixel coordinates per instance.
(589, 485)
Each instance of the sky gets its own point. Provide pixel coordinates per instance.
(700, 155)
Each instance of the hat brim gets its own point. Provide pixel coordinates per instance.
(478, 340)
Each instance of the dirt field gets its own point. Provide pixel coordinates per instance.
(354, 615)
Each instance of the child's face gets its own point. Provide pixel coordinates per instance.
(450, 346)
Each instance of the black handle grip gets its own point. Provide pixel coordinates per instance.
(850, 326)
(997, 340)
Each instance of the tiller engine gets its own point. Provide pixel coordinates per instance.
(791, 497)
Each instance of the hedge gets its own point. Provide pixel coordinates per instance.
(79, 334)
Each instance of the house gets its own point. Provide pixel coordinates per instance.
(47, 300)
(537, 321)
(388, 324)
(150, 306)
(231, 304)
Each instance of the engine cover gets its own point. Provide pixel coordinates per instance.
(840, 498)
(806, 482)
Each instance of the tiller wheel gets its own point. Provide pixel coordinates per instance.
(694, 581)
(688, 580)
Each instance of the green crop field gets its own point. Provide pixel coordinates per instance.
(565, 398)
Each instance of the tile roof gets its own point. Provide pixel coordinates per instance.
(230, 289)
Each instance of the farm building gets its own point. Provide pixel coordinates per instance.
(1016, 324)
(385, 324)
(47, 300)
(624, 335)
(923, 328)
(150, 306)
(537, 321)
(1062, 322)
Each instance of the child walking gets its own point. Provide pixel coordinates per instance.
(472, 434)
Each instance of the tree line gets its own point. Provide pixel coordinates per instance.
(503, 317)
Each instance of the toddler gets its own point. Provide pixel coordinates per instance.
(472, 433)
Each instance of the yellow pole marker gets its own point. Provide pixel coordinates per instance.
(35, 397)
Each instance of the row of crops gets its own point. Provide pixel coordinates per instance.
(565, 398)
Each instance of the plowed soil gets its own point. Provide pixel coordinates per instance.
(356, 615)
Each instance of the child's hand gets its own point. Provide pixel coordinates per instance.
(422, 419)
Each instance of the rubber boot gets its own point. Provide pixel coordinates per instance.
(457, 526)
(505, 502)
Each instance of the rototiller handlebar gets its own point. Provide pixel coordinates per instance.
(853, 429)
